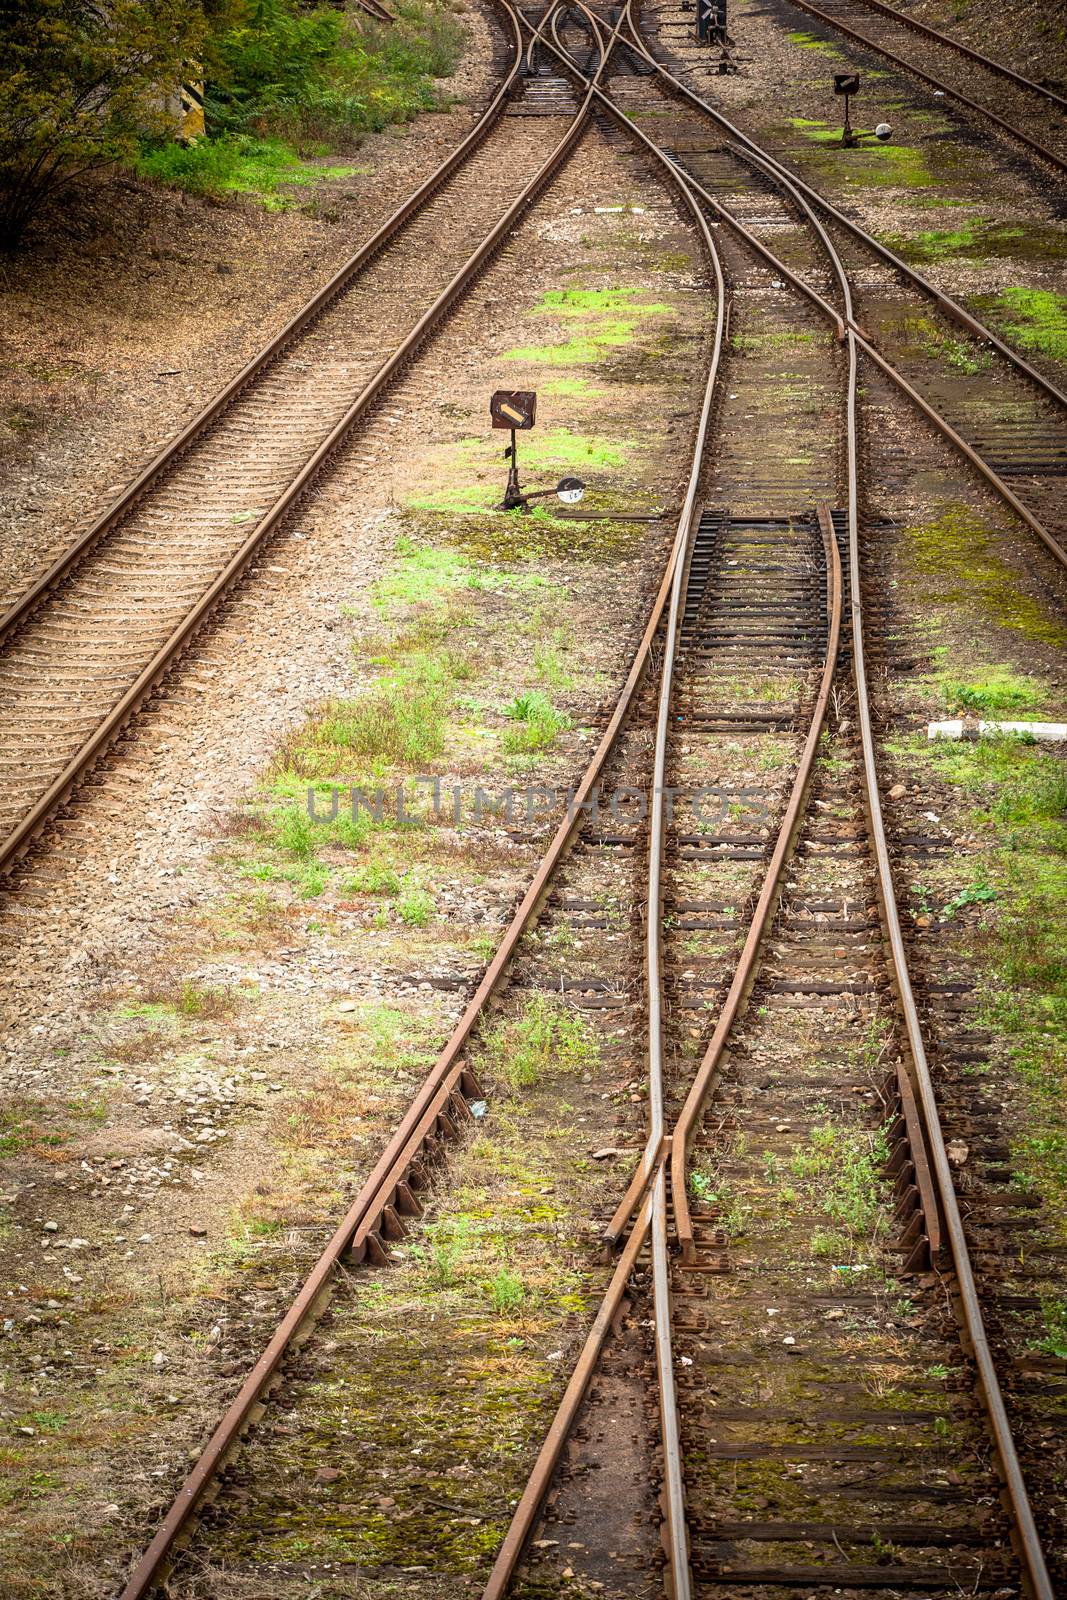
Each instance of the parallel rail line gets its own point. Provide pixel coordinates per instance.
(830, 19)
(669, 1153)
(89, 748)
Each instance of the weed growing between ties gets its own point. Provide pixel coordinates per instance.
(470, 1324)
(836, 1176)
(547, 1033)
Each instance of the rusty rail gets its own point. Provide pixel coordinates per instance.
(441, 1099)
(1034, 145)
(945, 303)
(808, 199)
(651, 1223)
(103, 736)
(1025, 1533)
(1024, 1530)
(387, 1195)
(109, 519)
(940, 1212)
(748, 961)
(952, 43)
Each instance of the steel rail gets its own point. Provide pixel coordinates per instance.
(378, 1191)
(380, 1188)
(15, 844)
(804, 196)
(959, 443)
(748, 962)
(952, 43)
(524, 1518)
(1028, 1542)
(830, 21)
(108, 519)
(951, 308)
(652, 1151)
(1025, 1534)
(652, 1221)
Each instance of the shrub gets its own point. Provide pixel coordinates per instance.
(323, 74)
(506, 1291)
(80, 85)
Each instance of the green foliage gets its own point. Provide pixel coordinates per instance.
(980, 892)
(1038, 319)
(999, 689)
(375, 877)
(80, 85)
(506, 1291)
(547, 1035)
(233, 164)
(538, 724)
(842, 1166)
(321, 73)
(399, 722)
(415, 907)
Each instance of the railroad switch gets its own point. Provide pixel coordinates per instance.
(711, 29)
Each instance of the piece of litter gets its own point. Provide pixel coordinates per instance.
(479, 1108)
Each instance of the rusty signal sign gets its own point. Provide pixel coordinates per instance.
(847, 83)
(513, 408)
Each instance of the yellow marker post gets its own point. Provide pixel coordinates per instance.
(192, 125)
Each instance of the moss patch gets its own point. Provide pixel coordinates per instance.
(1036, 318)
(957, 550)
(887, 166)
(1019, 797)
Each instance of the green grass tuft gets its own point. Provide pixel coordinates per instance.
(537, 724)
(547, 1036)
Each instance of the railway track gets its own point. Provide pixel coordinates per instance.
(848, 1470)
(1027, 114)
(1016, 436)
(93, 637)
(760, 594)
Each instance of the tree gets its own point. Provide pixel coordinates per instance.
(81, 83)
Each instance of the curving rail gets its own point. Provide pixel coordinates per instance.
(648, 1189)
(813, 203)
(390, 1192)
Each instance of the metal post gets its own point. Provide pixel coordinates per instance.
(513, 495)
